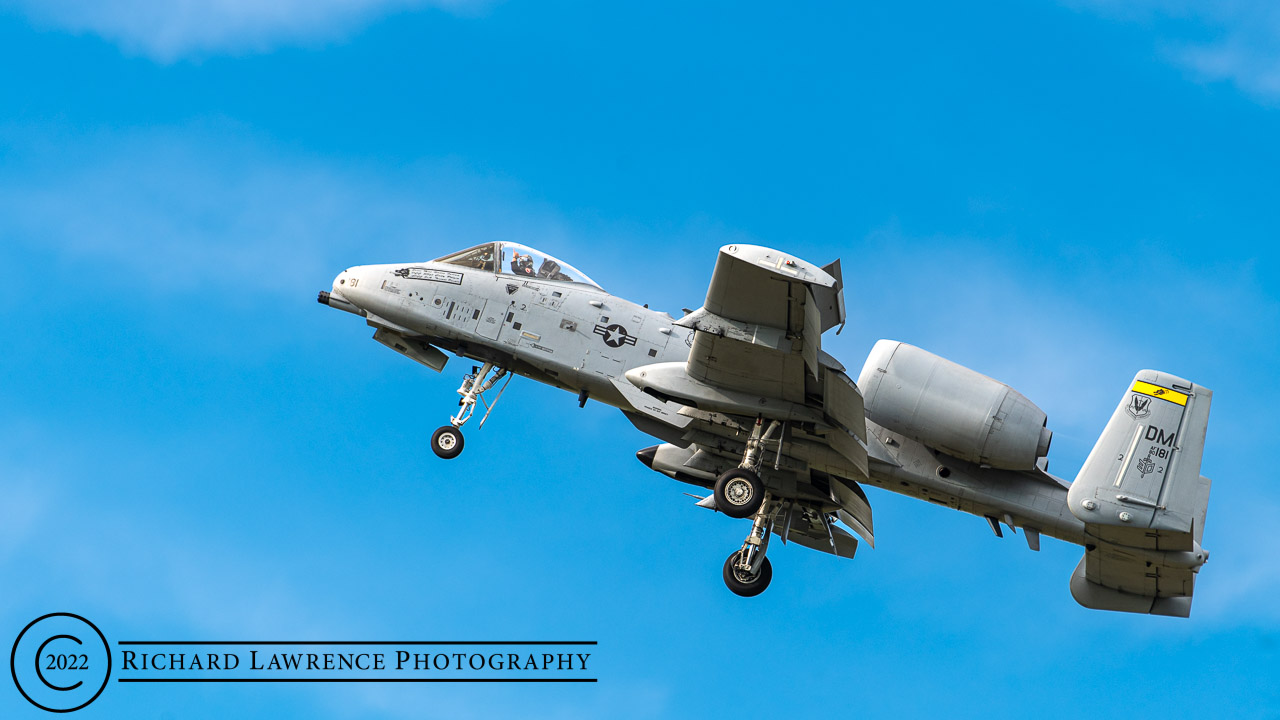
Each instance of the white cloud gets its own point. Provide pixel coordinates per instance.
(194, 209)
(1236, 41)
(190, 209)
(168, 30)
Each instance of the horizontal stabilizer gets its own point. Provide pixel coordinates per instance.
(1097, 597)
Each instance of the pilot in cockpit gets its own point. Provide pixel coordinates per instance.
(522, 265)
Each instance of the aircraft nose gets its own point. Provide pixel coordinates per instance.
(351, 283)
(340, 282)
(344, 287)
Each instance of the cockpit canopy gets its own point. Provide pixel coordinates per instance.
(516, 259)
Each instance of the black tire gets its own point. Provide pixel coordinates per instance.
(739, 493)
(447, 442)
(742, 585)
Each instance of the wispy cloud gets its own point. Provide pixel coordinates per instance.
(193, 208)
(1236, 41)
(1241, 571)
(189, 209)
(169, 30)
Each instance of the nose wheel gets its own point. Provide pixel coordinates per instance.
(447, 442)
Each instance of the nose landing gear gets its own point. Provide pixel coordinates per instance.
(446, 442)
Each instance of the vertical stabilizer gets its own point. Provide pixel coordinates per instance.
(1143, 500)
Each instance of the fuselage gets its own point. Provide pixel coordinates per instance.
(572, 335)
(576, 336)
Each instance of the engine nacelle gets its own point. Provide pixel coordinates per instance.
(951, 408)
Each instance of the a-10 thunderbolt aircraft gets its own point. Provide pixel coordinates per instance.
(748, 405)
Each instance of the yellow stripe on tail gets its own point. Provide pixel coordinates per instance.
(1163, 393)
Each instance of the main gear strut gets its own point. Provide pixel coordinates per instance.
(747, 571)
(739, 492)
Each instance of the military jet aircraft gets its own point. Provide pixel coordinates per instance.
(748, 405)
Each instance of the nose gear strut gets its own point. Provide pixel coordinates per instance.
(447, 441)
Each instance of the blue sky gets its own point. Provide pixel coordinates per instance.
(1056, 194)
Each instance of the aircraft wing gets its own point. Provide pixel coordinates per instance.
(759, 330)
(757, 349)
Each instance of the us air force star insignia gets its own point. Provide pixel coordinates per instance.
(1139, 406)
(614, 335)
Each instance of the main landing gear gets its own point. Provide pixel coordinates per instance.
(739, 491)
(447, 441)
(740, 494)
(747, 572)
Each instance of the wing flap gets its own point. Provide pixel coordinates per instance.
(850, 447)
(842, 403)
(805, 527)
(746, 366)
(855, 509)
(831, 300)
